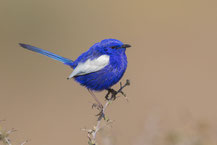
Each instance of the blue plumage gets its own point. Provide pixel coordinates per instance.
(47, 53)
(99, 68)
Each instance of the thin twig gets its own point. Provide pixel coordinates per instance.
(4, 136)
(10, 131)
(99, 121)
(24, 142)
(93, 132)
(7, 140)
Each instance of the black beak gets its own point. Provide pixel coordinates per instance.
(126, 46)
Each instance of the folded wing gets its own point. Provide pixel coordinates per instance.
(90, 66)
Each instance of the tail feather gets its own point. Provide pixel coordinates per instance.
(47, 53)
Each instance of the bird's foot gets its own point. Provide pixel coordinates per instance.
(101, 115)
(113, 95)
(114, 92)
(97, 106)
(100, 108)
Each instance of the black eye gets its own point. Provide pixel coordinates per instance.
(113, 47)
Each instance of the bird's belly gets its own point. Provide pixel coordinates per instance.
(102, 79)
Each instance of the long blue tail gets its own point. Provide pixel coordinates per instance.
(47, 53)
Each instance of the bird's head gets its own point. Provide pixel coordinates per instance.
(111, 46)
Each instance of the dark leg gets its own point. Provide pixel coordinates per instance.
(114, 93)
(98, 105)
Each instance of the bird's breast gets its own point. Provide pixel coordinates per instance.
(106, 77)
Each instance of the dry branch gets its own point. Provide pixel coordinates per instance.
(92, 133)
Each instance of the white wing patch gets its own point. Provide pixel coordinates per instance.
(90, 66)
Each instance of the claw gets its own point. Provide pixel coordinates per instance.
(107, 96)
(114, 93)
(100, 108)
(97, 106)
(100, 115)
(94, 105)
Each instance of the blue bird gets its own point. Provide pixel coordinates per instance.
(99, 68)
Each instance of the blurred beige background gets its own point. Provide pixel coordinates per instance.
(172, 67)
